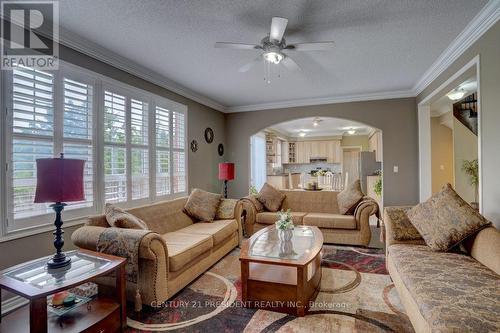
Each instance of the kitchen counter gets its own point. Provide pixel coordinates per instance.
(281, 181)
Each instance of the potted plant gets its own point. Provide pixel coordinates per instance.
(471, 168)
(284, 225)
(377, 187)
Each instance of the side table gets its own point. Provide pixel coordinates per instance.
(31, 280)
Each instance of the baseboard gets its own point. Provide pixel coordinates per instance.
(12, 304)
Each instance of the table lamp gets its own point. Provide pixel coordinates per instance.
(59, 180)
(226, 172)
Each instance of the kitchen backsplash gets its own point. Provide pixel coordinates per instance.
(307, 167)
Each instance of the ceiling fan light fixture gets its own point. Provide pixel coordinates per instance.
(351, 131)
(273, 57)
(456, 94)
(302, 134)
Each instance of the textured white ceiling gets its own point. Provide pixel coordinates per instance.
(380, 45)
(326, 127)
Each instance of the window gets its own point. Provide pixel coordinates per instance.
(142, 157)
(49, 114)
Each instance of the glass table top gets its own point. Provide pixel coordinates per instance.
(269, 245)
(37, 274)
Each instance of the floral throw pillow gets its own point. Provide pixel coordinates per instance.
(119, 218)
(349, 198)
(202, 205)
(226, 209)
(270, 197)
(446, 219)
(401, 227)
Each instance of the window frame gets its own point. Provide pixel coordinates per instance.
(10, 228)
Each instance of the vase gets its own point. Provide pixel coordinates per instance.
(286, 249)
(285, 235)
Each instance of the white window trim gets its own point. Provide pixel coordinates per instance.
(19, 225)
(44, 223)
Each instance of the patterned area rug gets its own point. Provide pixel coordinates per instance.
(356, 295)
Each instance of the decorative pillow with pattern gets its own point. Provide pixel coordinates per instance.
(446, 219)
(119, 218)
(349, 198)
(401, 226)
(226, 209)
(202, 205)
(270, 197)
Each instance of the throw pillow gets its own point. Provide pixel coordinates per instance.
(402, 228)
(226, 209)
(119, 218)
(270, 197)
(349, 198)
(202, 205)
(446, 219)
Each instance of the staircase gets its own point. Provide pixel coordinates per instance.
(465, 111)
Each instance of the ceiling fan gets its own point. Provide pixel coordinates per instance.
(273, 45)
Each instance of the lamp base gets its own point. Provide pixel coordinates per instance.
(58, 260)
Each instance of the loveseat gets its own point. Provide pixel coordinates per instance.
(446, 291)
(315, 208)
(177, 252)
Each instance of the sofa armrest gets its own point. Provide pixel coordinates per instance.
(152, 246)
(366, 208)
(238, 213)
(250, 207)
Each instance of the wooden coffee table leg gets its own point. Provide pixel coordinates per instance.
(38, 315)
(301, 297)
(121, 297)
(244, 281)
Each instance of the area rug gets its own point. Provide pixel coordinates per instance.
(356, 295)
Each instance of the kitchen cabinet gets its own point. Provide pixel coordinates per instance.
(285, 152)
(375, 145)
(302, 151)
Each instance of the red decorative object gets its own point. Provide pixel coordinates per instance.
(59, 180)
(226, 172)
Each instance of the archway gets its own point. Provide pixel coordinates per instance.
(285, 154)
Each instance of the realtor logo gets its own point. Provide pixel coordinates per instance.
(30, 34)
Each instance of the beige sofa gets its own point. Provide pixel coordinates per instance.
(176, 253)
(315, 208)
(443, 291)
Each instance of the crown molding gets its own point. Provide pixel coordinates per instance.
(100, 53)
(483, 21)
(322, 100)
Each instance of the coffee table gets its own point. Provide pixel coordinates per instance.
(281, 276)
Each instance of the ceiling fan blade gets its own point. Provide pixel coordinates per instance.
(240, 46)
(316, 46)
(245, 68)
(278, 26)
(291, 64)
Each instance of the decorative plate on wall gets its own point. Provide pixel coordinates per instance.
(209, 135)
(220, 149)
(194, 146)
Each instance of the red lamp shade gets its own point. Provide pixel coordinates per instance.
(59, 180)
(226, 171)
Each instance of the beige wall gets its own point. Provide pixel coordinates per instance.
(202, 167)
(441, 154)
(397, 118)
(488, 48)
(355, 140)
(464, 148)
